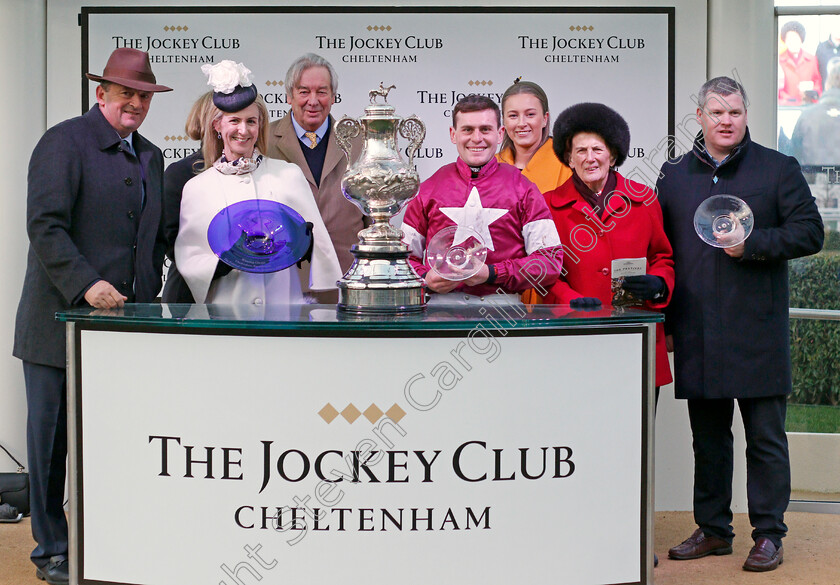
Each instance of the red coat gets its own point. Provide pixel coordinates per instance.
(803, 68)
(631, 228)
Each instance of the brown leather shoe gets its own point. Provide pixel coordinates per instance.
(764, 556)
(698, 545)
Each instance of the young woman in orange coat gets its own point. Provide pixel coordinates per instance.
(527, 144)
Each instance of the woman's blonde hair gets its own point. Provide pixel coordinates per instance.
(530, 88)
(212, 145)
(194, 126)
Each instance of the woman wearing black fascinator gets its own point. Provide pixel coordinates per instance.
(243, 188)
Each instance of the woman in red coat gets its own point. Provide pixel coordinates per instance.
(801, 70)
(601, 217)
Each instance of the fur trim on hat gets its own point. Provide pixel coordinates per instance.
(596, 118)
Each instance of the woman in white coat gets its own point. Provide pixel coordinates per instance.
(235, 170)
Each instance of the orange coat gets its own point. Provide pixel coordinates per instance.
(544, 169)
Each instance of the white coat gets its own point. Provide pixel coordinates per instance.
(210, 192)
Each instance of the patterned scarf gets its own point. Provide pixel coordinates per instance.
(240, 166)
(597, 201)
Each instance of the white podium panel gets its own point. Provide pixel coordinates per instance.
(453, 457)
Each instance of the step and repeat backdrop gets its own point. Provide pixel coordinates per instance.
(433, 57)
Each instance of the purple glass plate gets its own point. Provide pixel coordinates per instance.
(258, 235)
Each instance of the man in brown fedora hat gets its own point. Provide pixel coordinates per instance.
(94, 225)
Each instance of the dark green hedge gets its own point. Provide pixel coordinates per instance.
(815, 345)
(832, 241)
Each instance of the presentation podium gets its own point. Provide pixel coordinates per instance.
(462, 445)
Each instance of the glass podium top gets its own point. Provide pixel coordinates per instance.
(327, 317)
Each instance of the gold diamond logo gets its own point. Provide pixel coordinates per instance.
(395, 413)
(373, 413)
(328, 413)
(351, 413)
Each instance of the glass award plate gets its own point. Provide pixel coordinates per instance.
(258, 235)
(456, 260)
(723, 221)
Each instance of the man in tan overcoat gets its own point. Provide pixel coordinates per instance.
(306, 137)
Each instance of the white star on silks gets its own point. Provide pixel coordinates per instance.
(473, 215)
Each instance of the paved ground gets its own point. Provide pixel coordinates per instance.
(812, 553)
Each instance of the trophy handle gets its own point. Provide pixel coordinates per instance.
(346, 130)
(413, 130)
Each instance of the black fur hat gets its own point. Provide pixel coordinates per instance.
(596, 118)
(794, 26)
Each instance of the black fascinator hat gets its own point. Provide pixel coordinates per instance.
(232, 87)
(239, 99)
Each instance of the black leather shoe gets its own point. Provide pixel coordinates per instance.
(56, 572)
(698, 545)
(764, 556)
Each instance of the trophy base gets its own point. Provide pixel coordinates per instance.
(381, 284)
(381, 301)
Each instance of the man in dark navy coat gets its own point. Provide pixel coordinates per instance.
(729, 320)
(96, 239)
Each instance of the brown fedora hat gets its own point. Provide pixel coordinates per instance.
(131, 68)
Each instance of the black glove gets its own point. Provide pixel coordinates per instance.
(308, 256)
(222, 268)
(585, 303)
(646, 287)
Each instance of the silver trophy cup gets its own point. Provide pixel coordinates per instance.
(380, 183)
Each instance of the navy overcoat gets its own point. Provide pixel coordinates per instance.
(86, 221)
(729, 317)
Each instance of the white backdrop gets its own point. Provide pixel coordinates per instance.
(433, 56)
